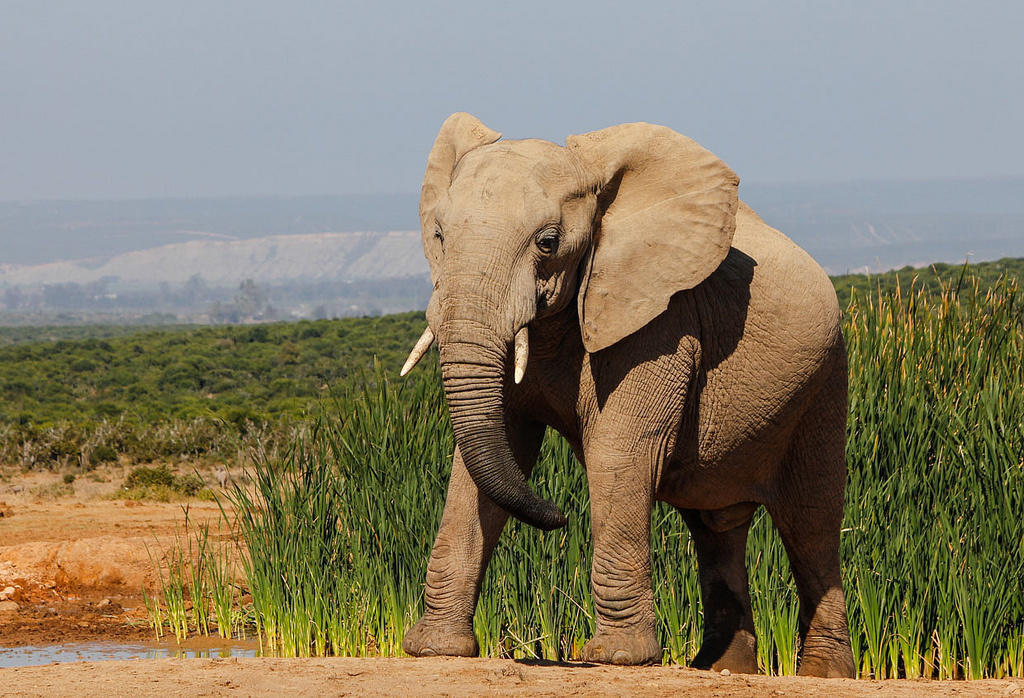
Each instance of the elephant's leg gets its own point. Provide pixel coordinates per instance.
(729, 641)
(808, 511)
(469, 531)
(811, 537)
(620, 509)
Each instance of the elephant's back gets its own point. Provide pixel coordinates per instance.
(771, 332)
(789, 282)
(769, 297)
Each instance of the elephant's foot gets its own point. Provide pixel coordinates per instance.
(623, 646)
(737, 653)
(826, 658)
(432, 638)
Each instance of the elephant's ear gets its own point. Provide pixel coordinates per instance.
(666, 216)
(459, 134)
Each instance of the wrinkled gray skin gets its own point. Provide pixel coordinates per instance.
(688, 352)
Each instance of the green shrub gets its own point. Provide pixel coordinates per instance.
(146, 476)
(189, 485)
(159, 483)
(103, 454)
(152, 493)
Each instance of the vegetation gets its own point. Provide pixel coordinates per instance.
(54, 490)
(231, 372)
(194, 589)
(161, 484)
(337, 528)
(930, 279)
(28, 334)
(935, 502)
(78, 396)
(206, 393)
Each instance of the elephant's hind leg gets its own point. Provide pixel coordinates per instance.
(729, 641)
(808, 511)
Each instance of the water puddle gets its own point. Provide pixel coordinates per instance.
(30, 655)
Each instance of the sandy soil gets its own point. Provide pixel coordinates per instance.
(435, 677)
(77, 565)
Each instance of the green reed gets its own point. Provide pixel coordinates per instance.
(195, 588)
(935, 502)
(337, 528)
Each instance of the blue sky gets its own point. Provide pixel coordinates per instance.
(106, 99)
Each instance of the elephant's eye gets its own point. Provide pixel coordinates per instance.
(438, 234)
(547, 241)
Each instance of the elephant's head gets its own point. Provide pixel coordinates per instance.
(618, 220)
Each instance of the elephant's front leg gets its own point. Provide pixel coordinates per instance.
(469, 530)
(620, 507)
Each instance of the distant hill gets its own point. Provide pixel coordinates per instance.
(275, 259)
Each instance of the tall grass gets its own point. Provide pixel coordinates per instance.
(934, 546)
(195, 587)
(339, 527)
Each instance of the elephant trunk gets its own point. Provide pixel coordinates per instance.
(473, 371)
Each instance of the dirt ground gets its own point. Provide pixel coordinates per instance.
(76, 565)
(441, 677)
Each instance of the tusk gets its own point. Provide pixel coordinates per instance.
(522, 353)
(422, 344)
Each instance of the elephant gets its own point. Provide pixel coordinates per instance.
(617, 290)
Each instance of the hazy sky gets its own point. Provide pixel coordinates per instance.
(105, 99)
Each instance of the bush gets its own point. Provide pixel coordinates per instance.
(189, 485)
(160, 484)
(103, 454)
(54, 490)
(145, 476)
